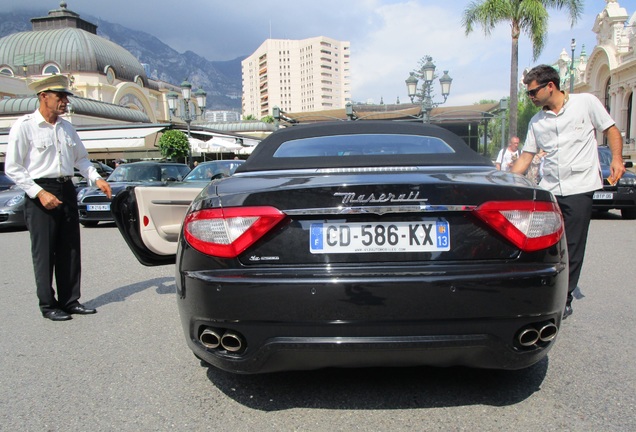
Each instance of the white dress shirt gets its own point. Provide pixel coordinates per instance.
(571, 165)
(38, 149)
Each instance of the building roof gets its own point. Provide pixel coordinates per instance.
(83, 106)
(72, 44)
(446, 114)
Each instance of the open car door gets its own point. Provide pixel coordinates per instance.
(150, 218)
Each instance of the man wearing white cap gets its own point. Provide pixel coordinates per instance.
(42, 152)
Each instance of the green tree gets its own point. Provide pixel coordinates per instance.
(268, 119)
(493, 132)
(249, 117)
(174, 144)
(526, 111)
(527, 16)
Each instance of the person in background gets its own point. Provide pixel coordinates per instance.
(42, 152)
(565, 129)
(509, 155)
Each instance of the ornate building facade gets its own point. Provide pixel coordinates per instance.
(609, 71)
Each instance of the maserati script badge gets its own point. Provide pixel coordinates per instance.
(353, 198)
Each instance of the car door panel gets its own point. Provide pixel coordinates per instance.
(149, 218)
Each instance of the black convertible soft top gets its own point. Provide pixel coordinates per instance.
(361, 144)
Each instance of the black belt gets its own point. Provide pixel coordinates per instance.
(53, 180)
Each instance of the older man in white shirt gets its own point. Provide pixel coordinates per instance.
(42, 152)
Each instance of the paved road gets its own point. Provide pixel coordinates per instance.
(128, 368)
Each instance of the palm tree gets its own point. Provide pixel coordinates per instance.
(527, 16)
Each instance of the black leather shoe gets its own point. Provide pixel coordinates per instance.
(568, 311)
(57, 315)
(80, 310)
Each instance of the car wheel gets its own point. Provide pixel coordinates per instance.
(628, 213)
(91, 224)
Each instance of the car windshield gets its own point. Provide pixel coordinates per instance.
(211, 170)
(363, 144)
(135, 173)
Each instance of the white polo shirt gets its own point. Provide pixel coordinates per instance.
(571, 165)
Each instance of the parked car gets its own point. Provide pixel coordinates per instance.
(12, 208)
(94, 205)
(81, 183)
(207, 171)
(620, 196)
(5, 181)
(357, 244)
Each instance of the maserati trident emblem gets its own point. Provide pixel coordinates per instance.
(354, 198)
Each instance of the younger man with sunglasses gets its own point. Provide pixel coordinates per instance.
(566, 130)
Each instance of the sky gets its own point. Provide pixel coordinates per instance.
(388, 37)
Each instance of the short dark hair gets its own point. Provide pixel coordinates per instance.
(543, 74)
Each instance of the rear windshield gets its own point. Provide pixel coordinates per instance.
(362, 145)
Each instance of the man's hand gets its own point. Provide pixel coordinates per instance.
(104, 187)
(617, 169)
(48, 200)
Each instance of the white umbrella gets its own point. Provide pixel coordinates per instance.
(246, 150)
(227, 145)
(197, 145)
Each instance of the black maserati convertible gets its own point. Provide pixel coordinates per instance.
(356, 244)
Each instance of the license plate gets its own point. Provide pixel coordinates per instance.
(603, 196)
(423, 236)
(98, 207)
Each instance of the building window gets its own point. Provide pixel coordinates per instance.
(50, 69)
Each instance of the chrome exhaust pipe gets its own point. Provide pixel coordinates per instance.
(547, 332)
(231, 342)
(528, 336)
(210, 339)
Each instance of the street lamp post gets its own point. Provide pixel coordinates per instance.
(428, 74)
(573, 46)
(187, 116)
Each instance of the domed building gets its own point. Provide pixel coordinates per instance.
(118, 111)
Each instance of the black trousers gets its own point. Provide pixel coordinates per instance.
(577, 213)
(55, 246)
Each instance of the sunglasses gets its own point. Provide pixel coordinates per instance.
(534, 91)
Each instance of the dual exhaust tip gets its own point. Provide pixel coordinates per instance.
(533, 334)
(229, 341)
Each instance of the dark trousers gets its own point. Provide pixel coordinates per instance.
(55, 246)
(577, 213)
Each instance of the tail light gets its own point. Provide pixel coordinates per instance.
(227, 232)
(529, 225)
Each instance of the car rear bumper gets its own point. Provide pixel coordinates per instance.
(304, 322)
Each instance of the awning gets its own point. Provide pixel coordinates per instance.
(114, 139)
(107, 138)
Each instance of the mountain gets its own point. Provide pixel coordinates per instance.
(220, 79)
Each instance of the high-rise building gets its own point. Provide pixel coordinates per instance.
(297, 76)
